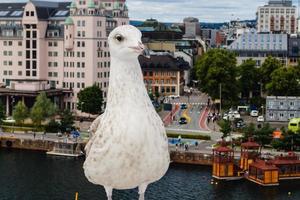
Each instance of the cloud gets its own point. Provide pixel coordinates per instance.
(206, 11)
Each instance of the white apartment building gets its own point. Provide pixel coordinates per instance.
(277, 16)
(56, 47)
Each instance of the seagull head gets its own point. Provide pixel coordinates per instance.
(125, 42)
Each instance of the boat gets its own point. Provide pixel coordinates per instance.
(68, 148)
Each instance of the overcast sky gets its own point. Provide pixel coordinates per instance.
(205, 10)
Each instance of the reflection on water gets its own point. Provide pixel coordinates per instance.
(27, 175)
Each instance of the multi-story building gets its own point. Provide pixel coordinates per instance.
(293, 50)
(160, 37)
(56, 47)
(282, 108)
(164, 74)
(277, 16)
(258, 46)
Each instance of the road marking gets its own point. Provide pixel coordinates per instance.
(185, 114)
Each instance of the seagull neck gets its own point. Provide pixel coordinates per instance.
(126, 80)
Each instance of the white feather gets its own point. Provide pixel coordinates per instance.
(130, 146)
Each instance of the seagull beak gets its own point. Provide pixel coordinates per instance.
(142, 50)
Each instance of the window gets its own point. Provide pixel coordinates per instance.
(27, 64)
(34, 64)
(34, 54)
(28, 44)
(33, 34)
(28, 34)
(31, 13)
(27, 73)
(19, 53)
(34, 44)
(33, 73)
(19, 43)
(19, 73)
(27, 54)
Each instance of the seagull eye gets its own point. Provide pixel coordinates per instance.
(120, 38)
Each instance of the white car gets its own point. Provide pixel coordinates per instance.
(236, 115)
(254, 113)
(9, 120)
(260, 118)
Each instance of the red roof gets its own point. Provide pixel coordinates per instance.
(223, 149)
(263, 165)
(250, 145)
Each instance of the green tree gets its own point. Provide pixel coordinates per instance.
(225, 126)
(248, 79)
(248, 131)
(53, 126)
(67, 120)
(267, 68)
(284, 82)
(218, 66)
(90, 100)
(264, 134)
(42, 109)
(2, 112)
(20, 112)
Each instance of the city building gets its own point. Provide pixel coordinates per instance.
(277, 16)
(293, 50)
(282, 109)
(164, 74)
(179, 40)
(258, 46)
(154, 30)
(56, 47)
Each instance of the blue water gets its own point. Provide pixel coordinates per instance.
(28, 175)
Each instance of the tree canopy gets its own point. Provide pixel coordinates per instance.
(42, 109)
(67, 120)
(248, 77)
(20, 112)
(218, 66)
(90, 100)
(268, 67)
(284, 82)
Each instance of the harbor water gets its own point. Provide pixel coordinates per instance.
(30, 175)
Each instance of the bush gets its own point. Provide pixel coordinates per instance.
(52, 127)
(197, 137)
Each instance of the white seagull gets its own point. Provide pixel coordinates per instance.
(128, 146)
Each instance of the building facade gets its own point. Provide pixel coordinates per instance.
(53, 46)
(277, 16)
(164, 74)
(282, 109)
(258, 46)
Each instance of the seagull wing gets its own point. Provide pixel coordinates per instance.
(93, 129)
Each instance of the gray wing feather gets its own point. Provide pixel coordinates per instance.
(92, 131)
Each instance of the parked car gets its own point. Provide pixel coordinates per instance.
(225, 116)
(183, 106)
(239, 123)
(182, 120)
(236, 115)
(260, 118)
(254, 113)
(9, 120)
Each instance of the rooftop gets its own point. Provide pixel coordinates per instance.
(163, 62)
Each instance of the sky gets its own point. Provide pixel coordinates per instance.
(204, 10)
